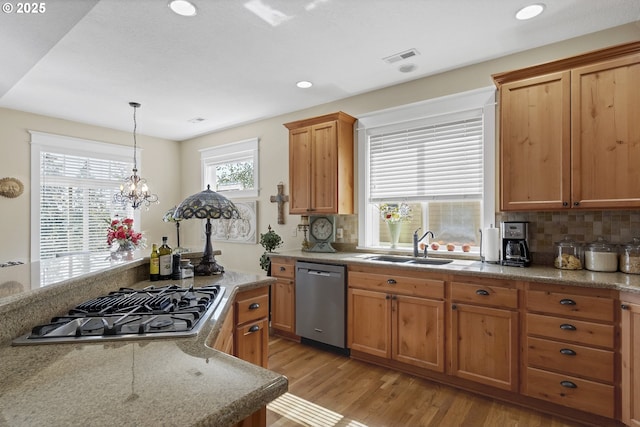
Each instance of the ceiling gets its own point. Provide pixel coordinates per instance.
(237, 61)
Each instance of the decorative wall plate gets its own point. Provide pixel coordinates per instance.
(11, 187)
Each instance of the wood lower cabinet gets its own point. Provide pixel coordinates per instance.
(630, 350)
(569, 356)
(483, 332)
(283, 297)
(251, 338)
(397, 316)
(321, 165)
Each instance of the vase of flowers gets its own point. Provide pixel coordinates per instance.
(122, 238)
(394, 214)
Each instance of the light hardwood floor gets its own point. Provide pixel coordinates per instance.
(326, 389)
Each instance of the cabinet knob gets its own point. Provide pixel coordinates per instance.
(567, 352)
(254, 328)
(576, 203)
(565, 204)
(454, 307)
(254, 306)
(624, 306)
(282, 268)
(482, 292)
(567, 301)
(394, 297)
(568, 384)
(387, 296)
(391, 281)
(567, 327)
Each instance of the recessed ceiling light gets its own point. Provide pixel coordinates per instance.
(530, 11)
(183, 7)
(304, 84)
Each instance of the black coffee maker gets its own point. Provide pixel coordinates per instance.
(515, 250)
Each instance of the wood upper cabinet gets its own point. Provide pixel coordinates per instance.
(569, 133)
(397, 316)
(630, 349)
(321, 165)
(283, 297)
(483, 332)
(605, 105)
(535, 152)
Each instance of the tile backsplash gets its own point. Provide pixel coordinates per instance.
(545, 228)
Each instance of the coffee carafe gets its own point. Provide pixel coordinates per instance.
(515, 249)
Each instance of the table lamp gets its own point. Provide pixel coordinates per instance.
(210, 205)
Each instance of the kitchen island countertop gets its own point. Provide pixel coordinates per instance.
(169, 382)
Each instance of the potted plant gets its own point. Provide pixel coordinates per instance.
(269, 241)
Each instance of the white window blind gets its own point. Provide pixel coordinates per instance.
(433, 162)
(74, 182)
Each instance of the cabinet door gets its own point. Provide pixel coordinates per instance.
(283, 300)
(606, 134)
(630, 349)
(252, 342)
(535, 139)
(300, 171)
(324, 168)
(418, 332)
(369, 322)
(484, 345)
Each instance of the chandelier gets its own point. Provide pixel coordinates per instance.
(134, 190)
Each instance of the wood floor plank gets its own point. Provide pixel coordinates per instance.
(331, 390)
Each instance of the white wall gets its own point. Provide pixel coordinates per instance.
(274, 137)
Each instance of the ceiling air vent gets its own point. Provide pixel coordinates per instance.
(401, 56)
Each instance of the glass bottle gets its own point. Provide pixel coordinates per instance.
(154, 264)
(166, 260)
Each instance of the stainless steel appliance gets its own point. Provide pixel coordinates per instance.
(153, 312)
(321, 293)
(515, 249)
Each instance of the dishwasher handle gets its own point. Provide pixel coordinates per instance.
(319, 273)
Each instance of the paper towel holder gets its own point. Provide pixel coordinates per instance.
(482, 257)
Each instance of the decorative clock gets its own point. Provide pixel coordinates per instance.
(321, 233)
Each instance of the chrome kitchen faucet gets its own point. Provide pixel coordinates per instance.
(416, 240)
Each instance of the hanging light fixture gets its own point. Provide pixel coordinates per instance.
(134, 190)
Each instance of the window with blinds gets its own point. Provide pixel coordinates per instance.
(440, 161)
(75, 197)
(435, 156)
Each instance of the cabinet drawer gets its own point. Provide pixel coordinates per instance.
(580, 306)
(252, 306)
(397, 284)
(571, 359)
(484, 294)
(577, 331)
(282, 268)
(584, 395)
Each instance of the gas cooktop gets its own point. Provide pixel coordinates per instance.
(153, 312)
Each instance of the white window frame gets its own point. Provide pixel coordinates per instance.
(41, 141)
(422, 113)
(231, 153)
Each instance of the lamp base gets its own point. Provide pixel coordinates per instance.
(208, 267)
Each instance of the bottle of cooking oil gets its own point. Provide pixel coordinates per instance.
(166, 260)
(154, 264)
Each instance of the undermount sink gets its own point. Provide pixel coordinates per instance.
(410, 260)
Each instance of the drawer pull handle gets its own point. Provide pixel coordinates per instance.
(391, 281)
(482, 292)
(254, 306)
(567, 327)
(282, 268)
(254, 328)
(567, 352)
(568, 384)
(567, 301)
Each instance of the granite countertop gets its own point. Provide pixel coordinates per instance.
(175, 381)
(540, 274)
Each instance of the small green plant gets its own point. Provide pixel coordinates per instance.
(270, 241)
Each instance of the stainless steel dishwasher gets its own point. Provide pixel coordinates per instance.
(321, 311)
